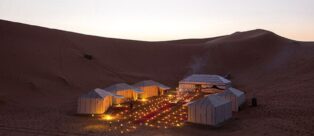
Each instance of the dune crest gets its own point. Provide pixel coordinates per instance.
(53, 67)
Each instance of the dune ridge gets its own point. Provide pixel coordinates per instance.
(47, 66)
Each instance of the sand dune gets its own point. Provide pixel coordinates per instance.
(46, 66)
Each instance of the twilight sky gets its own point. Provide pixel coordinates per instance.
(155, 20)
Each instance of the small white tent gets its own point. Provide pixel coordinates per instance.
(95, 102)
(204, 81)
(236, 96)
(125, 90)
(151, 88)
(211, 110)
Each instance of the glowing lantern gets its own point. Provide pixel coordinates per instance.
(107, 117)
(143, 100)
(118, 105)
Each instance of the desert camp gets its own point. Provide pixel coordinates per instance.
(148, 103)
(156, 68)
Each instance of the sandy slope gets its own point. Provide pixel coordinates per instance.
(43, 71)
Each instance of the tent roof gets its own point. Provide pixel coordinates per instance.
(216, 87)
(206, 79)
(213, 100)
(151, 83)
(92, 94)
(99, 93)
(235, 91)
(231, 91)
(122, 86)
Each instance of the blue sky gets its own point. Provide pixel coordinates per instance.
(155, 20)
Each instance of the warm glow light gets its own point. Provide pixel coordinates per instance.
(107, 117)
(155, 113)
(143, 100)
(118, 105)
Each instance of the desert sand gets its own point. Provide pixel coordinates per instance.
(43, 71)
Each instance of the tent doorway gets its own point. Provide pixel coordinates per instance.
(198, 87)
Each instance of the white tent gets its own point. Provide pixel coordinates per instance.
(125, 90)
(203, 80)
(236, 96)
(95, 102)
(151, 88)
(211, 110)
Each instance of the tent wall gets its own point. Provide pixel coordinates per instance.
(107, 103)
(234, 101)
(219, 115)
(191, 113)
(127, 94)
(222, 113)
(202, 113)
(228, 111)
(149, 91)
(93, 105)
(198, 113)
(207, 114)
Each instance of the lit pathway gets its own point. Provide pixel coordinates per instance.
(157, 112)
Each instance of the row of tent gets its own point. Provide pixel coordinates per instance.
(99, 100)
(216, 108)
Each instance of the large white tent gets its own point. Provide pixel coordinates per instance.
(125, 90)
(151, 88)
(236, 96)
(211, 110)
(96, 101)
(204, 81)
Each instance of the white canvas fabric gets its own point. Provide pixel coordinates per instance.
(211, 110)
(96, 101)
(125, 90)
(236, 96)
(151, 88)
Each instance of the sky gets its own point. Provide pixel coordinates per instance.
(158, 20)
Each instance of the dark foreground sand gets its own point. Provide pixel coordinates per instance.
(43, 71)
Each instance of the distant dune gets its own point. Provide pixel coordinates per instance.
(47, 66)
